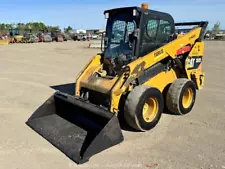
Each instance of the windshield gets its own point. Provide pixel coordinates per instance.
(119, 33)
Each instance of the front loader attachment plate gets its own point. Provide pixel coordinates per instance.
(77, 128)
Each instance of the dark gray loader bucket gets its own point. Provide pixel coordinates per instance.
(77, 128)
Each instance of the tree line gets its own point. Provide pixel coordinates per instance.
(33, 27)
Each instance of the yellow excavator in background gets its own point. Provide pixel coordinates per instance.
(143, 69)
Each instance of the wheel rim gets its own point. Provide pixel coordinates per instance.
(187, 98)
(150, 109)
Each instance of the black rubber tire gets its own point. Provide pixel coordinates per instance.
(134, 105)
(175, 94)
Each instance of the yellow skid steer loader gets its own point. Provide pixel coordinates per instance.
(143, 69)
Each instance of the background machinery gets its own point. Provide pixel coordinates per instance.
(143, 69)
(57, 36)
(29, 37)
(15, 36)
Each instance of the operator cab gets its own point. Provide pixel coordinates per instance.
(133, 32)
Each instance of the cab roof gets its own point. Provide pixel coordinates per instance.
(141, 10)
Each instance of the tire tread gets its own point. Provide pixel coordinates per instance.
(131, 104)
(173, 95)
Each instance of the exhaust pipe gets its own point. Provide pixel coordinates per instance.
(77, 128)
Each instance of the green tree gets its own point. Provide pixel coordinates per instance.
(8, 26)
(42, 26)
(216, 27)
(2, 26)
(69, 28)
(21, 27)
(53, 28)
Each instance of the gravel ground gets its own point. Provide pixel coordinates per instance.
(27, 74)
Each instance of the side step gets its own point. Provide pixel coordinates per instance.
(77, 128)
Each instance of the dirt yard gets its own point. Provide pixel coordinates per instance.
(29, 73)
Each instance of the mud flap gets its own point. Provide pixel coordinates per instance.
(77, 128)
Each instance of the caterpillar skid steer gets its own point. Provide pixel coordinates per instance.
(144, 68)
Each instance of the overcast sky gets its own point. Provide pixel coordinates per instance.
(88, 14)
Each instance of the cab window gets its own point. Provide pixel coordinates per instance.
(151, 30)
(148, 43)
(156, 34)
(164, 32)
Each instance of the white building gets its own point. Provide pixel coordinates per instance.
(78, 31)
